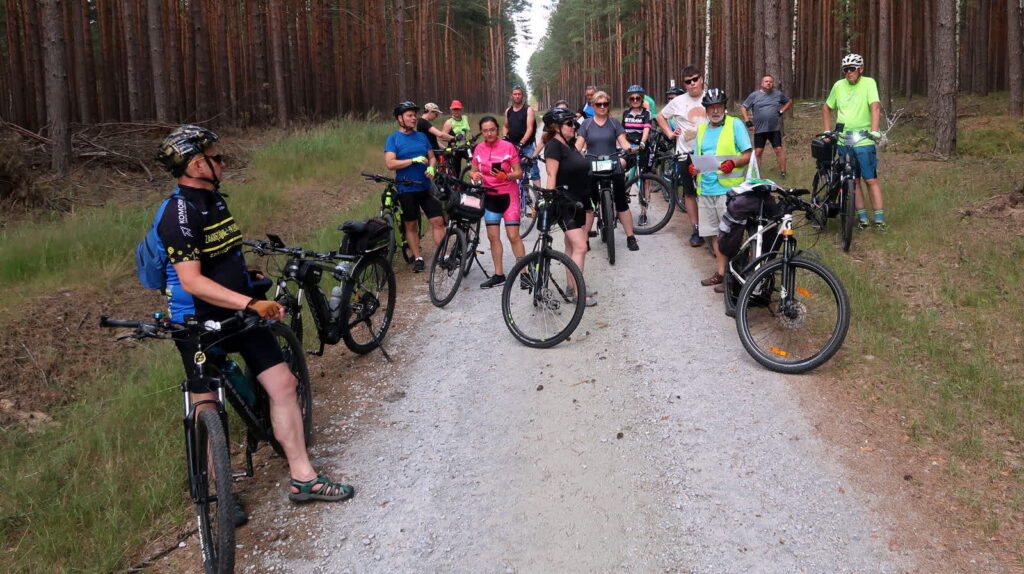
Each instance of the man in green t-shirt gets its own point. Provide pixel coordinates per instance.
(855, 101)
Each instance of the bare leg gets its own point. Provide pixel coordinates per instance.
(412, 236)
(780, 154)
(690, 202)
(497, 249)
(437, 229)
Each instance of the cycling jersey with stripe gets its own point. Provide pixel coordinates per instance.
(200, 228)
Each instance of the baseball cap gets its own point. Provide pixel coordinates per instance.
(456, 105)
(432, 107)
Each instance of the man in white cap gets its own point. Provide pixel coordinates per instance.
(425, 126)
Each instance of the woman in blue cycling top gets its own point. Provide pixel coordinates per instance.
(600, 135)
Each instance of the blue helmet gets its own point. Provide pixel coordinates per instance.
(635, 89)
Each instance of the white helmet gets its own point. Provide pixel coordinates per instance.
(852, 60)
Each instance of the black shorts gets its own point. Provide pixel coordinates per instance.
(569, 217)
(764, 137)
(413, 201)
(685, 179)
(258, 347)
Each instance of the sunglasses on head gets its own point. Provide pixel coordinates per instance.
(692, 80)
(849, 69)
(600, 104)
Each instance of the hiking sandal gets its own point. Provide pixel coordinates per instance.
(328, 491)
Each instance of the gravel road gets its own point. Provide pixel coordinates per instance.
(649, 442)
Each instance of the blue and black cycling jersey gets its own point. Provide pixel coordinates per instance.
(199, 227)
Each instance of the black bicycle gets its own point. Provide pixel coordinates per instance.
(527, 197)
(652, 198)
(457, 251)
(361, 302)
(832, 190)
(207, 454)
(391, 211)
(543, 308)
(792, 312)
(602, 168)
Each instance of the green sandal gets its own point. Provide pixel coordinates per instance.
(328, 491)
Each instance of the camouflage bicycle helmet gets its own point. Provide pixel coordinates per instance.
(404, 107)
(183, 144)
(635, 89)
(675, 91)
(558, 116)
(714, 96)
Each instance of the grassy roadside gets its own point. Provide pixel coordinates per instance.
(938, 309)
(110, 469)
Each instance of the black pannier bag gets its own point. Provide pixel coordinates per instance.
(364, 236)
(743, 205)
(822, 151)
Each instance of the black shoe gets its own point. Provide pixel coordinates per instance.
(417, 266)
(592, 234)
(631, 243)
(525, 281)
(239, 515)
(642, 220)
(695, 239)
(493, 281)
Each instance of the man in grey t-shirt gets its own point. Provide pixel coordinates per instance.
(767, 105)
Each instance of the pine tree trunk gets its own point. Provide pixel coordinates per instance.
(885, 54)
(1015, 55)
(942, 83)
(277, 50)
(56, 85)
(156, 59)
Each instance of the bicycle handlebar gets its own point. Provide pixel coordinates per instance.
(260, 247)
(381, 179)
(846, 135)
(468, 184)
(153, 329)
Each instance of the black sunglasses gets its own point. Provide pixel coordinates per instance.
(600, 104)
(217, 158)
(635, 98)
(849, 69)
(692, 80)
(569, 124)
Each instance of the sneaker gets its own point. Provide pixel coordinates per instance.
(239, 516)
(881, 226)
(715, 279)
(782, 174)
(695, 239)
(493, 281)
(417, 266)
(642, 220)
(863, 224)
(631, 243)
(720, 288)
(525, 281)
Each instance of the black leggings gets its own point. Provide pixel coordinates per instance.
(618, 191)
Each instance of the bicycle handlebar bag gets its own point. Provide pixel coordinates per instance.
(822, 151)
(466, 204)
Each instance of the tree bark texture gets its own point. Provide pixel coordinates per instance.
(942, 85)
(56, 85)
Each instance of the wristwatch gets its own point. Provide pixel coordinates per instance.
(750, 124)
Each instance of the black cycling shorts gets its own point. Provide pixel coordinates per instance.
(569, 217)
(258, 348)
(689, 186)
(775, 138)
(413, 201)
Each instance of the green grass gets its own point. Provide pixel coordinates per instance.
(86, 493)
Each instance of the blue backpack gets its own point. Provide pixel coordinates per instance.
(150, 253)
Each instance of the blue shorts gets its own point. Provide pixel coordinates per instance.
(527, 150)
(867, 161)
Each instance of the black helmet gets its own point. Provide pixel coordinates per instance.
(404, 107)
(183, 144)
(558, 116)
(714, 96)
(635, 89)
(675, 91)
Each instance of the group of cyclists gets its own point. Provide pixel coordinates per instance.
(207, 275)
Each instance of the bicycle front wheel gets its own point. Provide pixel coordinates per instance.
(792, 316)
(847, 213)
(367, 304)
(608, 215)
(527, 211)
(215, 504)
(472, 235)
(446, 268)
(295, 358)
(546, 311)
(651, 203)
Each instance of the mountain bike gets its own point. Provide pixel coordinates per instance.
(544, 308)
(652, 199)
(391, 211)
(449, 157)
(602, 168)
(207, 454)
(458, 249)
(792, 312)
(832, 190)
(527, 197)
(361, 304)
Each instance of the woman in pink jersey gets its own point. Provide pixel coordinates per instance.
(496, 163)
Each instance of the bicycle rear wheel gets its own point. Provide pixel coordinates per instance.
(792, 316)
(295, 358)
(544, 314)
(446, 268)
(367, 304)
(654, 203)
(847, 214)
(608, 215)
(215, 506)
(527, 210)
